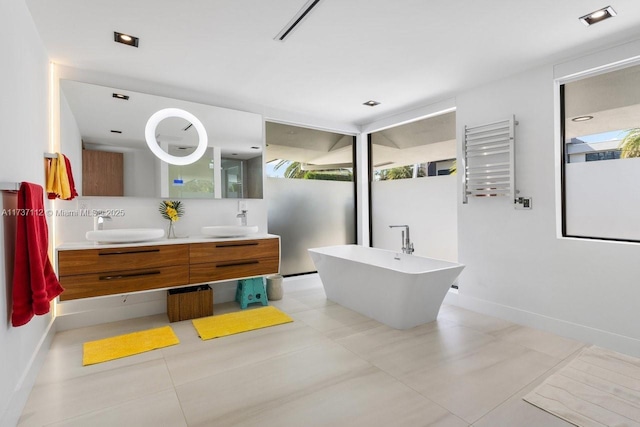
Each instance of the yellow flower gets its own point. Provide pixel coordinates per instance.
(171, 210)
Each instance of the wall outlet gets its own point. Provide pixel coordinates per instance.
(522, 203)
(242, 205)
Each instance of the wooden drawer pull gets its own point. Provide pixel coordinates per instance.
(126, 276)
(233, 245)
(234, 264)
(141, 251)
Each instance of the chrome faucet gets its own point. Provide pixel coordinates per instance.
(407, 246)
(99, 219)
(243, 217)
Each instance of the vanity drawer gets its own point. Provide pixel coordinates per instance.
(72, 263)
(234, 250)
(123, 281)
(236, 269)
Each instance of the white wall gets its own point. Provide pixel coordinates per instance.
(516, 266)
(428, 205)
(24, 136)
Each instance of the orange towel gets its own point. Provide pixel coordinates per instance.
(58, 181)
(72, 184)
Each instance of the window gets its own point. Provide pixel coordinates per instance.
(601, 152)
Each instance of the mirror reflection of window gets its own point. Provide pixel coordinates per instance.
(194, 181)
(232, 179)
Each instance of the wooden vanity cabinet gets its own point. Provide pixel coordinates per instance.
(98, 272)
(224, 260)
(90, 273)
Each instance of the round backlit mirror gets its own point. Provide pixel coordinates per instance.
(152, 142)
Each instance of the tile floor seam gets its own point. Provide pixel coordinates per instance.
(403, 383)
(96, 411)
(295, 395)
(173, 389)
(246, 365)
(546, 373)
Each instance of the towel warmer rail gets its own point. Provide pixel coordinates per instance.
(489, 160)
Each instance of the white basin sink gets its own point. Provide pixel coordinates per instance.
(125, 235)
(229, 230)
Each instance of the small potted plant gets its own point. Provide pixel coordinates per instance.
(171, 210)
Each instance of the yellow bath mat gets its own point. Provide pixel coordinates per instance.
(127, 345)
(241, 321)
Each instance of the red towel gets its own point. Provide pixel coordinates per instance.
(34, 282)
(72, 184)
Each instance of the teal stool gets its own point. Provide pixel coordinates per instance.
(250, 291)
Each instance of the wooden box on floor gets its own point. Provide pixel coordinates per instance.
(189, 303)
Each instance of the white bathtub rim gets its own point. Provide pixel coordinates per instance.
(452, 265)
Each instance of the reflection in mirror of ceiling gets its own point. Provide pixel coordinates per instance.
(422, 141)
(97, 112)
(612, 98)
(306, 145)
(178, 132)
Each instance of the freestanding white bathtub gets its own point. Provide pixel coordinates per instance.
(399, 290)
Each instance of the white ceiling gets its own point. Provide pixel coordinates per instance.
(403, 53)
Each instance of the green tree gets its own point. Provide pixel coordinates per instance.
(293, 170)
(401, 172)
(630, 144)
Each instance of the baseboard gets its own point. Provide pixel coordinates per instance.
(25, 384)
(613, 341)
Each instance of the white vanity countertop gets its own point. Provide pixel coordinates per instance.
(68, 246)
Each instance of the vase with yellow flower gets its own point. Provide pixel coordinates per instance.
(171, 210)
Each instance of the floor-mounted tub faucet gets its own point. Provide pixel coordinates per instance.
(243, 217)
(407, 246)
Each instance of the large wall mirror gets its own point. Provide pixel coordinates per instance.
(103, 129)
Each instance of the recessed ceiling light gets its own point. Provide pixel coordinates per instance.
(125, 39)
(371, 103)
(598, 15)
(121, 96)
(581, 118)
(116, 131)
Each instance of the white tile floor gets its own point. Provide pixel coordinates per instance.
(331, 367)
